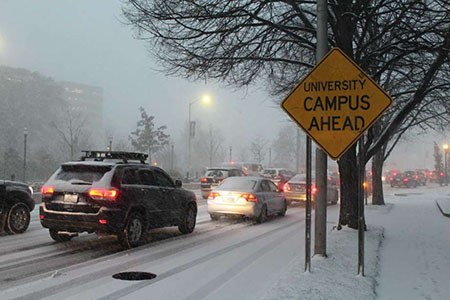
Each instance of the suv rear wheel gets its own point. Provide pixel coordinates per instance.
(188, 220)
(18, 218)
(131, 235)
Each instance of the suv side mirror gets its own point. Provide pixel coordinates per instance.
(178, 183)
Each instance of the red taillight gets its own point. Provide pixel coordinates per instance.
(313, 190)
(204, 179)
(394, 173)
(405, 179)
(213, 195)
(47, 190)
(102, 221)
(286, 187)
(417, 177)
(102, 194)
(249, 197)
(442, 173)
(391, 178)
(42, 217)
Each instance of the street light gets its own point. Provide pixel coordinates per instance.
(206, 100)
(25, 134)
(445, 146)
(110, 140)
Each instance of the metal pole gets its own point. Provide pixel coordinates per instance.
(320, 231)
(361, 207)
(445, 167)
(25, 134)
(171, 157)
(189, 147)
(270, 157)
(231, 151)
(308, 207)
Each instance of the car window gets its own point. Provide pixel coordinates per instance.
(265, 186)
(273, 187)
(146, 177)
(238, 183)
(162, 179)
(82, 173)
(130, 177)
(217, 173)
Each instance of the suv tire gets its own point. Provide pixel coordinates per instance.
(187, 223)
(59, 237)
(17, 219)
(131, 235)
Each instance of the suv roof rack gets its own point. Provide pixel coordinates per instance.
(121, 155)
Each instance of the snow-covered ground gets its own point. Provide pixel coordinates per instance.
(407, 256)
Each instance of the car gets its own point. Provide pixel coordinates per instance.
(16, 203)
(250, 196)
(214, 176)
(421, 177)
(117, 193)
(249, 168)
(295, 190)
(405, 179)
(278, 175)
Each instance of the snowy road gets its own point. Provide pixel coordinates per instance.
(220, 259)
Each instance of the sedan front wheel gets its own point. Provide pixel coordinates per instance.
(18, 218)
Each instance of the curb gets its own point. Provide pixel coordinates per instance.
(443, 213)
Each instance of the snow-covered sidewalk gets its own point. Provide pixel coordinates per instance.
(407, 255)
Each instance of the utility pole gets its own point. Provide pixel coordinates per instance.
(171, 157)
(320, 233)
(270, 157)
(231, 151)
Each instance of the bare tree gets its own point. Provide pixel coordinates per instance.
(147, 137)
(71, 127)
(403, 44)
(258, 148)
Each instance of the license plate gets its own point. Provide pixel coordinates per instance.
(71, 198)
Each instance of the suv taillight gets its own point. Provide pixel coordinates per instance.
(47, 191)
(103, 194)
(204, 179)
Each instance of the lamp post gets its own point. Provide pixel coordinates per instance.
(110, 140)
(206, 100)
(445, 146)
(25, 134)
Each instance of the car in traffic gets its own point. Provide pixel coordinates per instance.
(249, 196)
(16, 203)
(249, 168)
(117, 193)
(295, 190)
(214, 176)
(405, 179)
(278, 175)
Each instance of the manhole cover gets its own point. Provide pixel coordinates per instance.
(134, 276)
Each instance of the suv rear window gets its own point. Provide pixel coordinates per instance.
(217, 173)
(82, 173)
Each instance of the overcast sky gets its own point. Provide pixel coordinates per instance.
(84, 41)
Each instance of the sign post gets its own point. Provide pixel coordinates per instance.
(335, 103)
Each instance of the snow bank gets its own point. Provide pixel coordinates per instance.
(335, 277)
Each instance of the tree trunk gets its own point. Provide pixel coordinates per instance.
(348, 170)
(377, 173)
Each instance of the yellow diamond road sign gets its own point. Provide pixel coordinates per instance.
(336, 103)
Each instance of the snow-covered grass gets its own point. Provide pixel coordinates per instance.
(335, 277)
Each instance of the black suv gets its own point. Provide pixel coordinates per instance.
(406, 179)
(16, 203)
(214, 176)
(111, 194)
